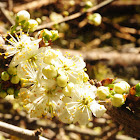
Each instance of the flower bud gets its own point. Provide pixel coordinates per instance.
(3, 94)
(103, 92)
(12, 70)
(32, 25)
(10, 91)
(49, 71)
(47, 35)
(15, 79)
(5, 76)
(88, 4)
(117, 100)
(121, 87)
(95, 19)
(67, 90)
(23, 15)
(62, 80)
(55, 35)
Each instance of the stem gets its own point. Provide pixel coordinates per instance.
(19, 132)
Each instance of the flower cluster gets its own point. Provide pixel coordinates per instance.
(115, 92)
(50, 83)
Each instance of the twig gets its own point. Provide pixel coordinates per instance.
(125, 36)
(4, 12)
(121, 28)
(126, 3)
(76, 15)
(10, 5)
(19, 132)
(33, 5)
(112, 57)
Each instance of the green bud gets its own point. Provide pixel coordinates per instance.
(62, 80)
(55, 35)
(47, 35)
(88, 4)
(3, 94)
(95, 19)
(138, 90)
(15, 79)
(10, 91)
(5, 76)
(12, 70)
(49, 71)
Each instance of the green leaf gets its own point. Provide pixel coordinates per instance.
(138, 87)
(137, 94)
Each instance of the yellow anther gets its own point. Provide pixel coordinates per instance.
(85, 69)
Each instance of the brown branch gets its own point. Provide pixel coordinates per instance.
(112, 57)
(125, 117)
(126, 3)
(19, 132)
(76, 15)
(6, 15)
(33, 5)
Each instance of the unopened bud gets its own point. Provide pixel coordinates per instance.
(47, 35)
(12, 70)
(121, 87)
(62, 80)
(49, 71)
(32, 25)
(88, 4)
(67, 90)
(95, 19)
(15, 79)
(5, 76)
(23, 15)
(10, 91)
(3, 94)
(55, 35)
(103, 92)
(117, 100)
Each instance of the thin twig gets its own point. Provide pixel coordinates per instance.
(126, 3)
(76, 15)
(19, 132)
(6, 15)
(33, 5)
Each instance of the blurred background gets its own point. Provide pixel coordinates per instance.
(111, 50)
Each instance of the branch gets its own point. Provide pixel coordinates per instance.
(124, 116)
(33, 5)
(126, 3)
(19, 132)
(5, 13)
(112, 57)
(76, 15)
